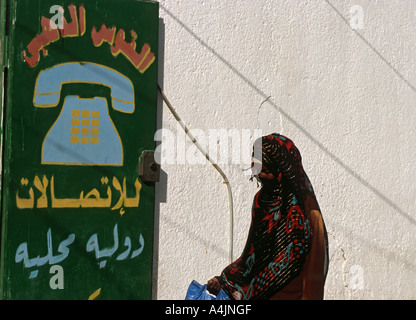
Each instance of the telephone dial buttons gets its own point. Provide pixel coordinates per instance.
(84, 126)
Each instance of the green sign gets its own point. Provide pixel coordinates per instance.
(81, 92)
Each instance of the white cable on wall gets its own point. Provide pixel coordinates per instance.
(205, 153)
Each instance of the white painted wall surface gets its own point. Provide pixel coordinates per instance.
(346, 96)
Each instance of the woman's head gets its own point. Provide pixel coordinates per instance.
(273, 155)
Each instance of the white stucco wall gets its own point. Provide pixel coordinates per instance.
(346, 97)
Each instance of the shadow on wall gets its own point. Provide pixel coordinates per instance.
(161, 187)
(350, 171)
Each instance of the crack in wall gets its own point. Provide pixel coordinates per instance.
(344, 258)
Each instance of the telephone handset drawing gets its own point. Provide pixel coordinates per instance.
(83, 133)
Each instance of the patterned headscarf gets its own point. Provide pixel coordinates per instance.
(280, 235)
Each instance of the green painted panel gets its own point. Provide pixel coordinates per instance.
(77, 222)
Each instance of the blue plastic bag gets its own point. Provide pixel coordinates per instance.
(197, 291)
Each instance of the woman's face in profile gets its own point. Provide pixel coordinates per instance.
(264, 173)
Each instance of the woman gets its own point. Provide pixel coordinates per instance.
(286, 253)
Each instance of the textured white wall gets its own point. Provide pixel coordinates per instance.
(344, 95)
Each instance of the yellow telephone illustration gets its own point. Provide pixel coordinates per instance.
(83, 133)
